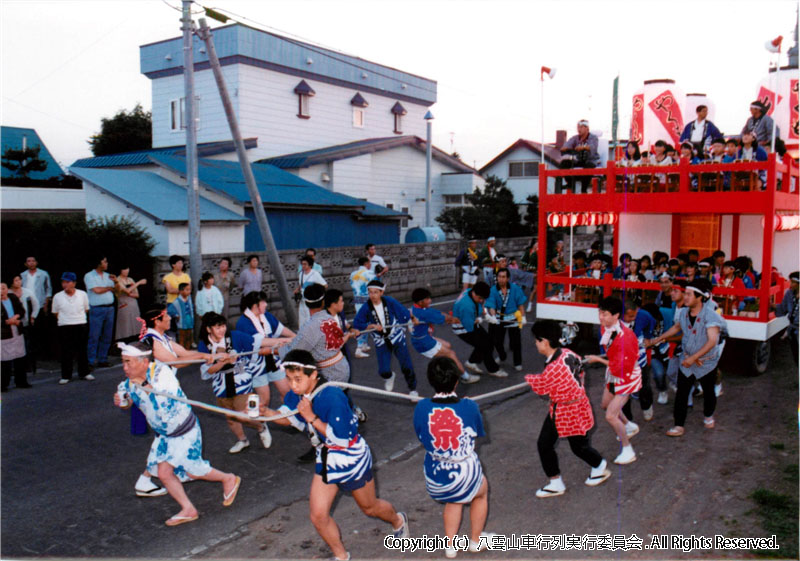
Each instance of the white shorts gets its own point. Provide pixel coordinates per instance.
(265, 378)
(430, 353)
(466, 278)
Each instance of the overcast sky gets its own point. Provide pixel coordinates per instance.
(68, 63)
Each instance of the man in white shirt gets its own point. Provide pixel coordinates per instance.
(376, 263)
(70, 307)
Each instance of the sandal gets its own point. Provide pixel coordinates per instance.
(231, 496)
(675, 431)
(178, 520)
(708, 422)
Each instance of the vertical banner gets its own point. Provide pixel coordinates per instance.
(767, 97)
(637, 119)
(668, 112)
(794, 118)
(615, 112)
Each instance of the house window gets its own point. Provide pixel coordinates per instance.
(304, 94)
(177, 114)
(451, 201)
(404, 221)
(398, 111)
(523, 169)
(358, 117)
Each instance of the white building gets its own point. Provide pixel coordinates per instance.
(518, 165)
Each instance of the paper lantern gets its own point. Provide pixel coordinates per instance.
(612, 217)
(581, 219)
(552, 220)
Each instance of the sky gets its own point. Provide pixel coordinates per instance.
(66, 64)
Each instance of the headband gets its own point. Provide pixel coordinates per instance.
(306, 367)
(698, 291)
(320, 299)
(794, 277)
(583, 123)
(129, 350)
(678, 287)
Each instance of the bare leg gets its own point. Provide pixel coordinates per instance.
(320, 501)
(447, 350)
(478, 511)
(236, 428)
(174, 487)
(228, 480)
(613, 406)
(371, 505)
(452, 519)
(263, 394)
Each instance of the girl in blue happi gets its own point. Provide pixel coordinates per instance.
(388, 318)
(176, 453)
(343, 461)
(447, 427)
(422, 339)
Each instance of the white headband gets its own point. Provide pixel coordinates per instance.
(309, 367)
(698, 291)
(129, 350)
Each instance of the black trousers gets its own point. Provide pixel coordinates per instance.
(685, 385)
(73, 341)
(482, 348)
(498, 335)
(17, 367)
(645, 395)
(580, 444)
(793, 342)
(585, 181)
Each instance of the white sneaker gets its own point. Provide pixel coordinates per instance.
(468, 378)
(663, 398)
(413, 393)
(648, 413)
(499, 374)
(473, 367)
(529, 309)
(717, 390)
(388, 383)
(63, 381)
(266, 437)
(88, 377)
(476, 547)
(450, 552)
(518, 368)
(627, 456)
(554, 488)
(361, 354)
(598, 474)
(632, 429)
(364, 348)
(240, 445)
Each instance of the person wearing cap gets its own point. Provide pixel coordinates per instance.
(467, 261)
(701, 328)
(70, 307)
(487, 258)
(343, 457)
(306, 278)
(583, 148)
(760, 124)
(700, 132)
(789, 307)
(176, 453)
(469, 311)
(388, 319)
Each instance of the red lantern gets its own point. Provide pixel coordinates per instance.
(553, 220)
(581, 219)
(613, 218)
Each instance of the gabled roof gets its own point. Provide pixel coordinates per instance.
(12, 138)
(359, 148)
(551, 153)
(141, 157)
(152, 195)
(278, 188)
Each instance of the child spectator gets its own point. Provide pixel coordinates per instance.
(182, 310)
(447, 427)
(570, 415)
(209, 297)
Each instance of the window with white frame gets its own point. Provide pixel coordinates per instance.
(178, 116)
(304, 94)
(358, 117)
(523, 169)
(454, 200)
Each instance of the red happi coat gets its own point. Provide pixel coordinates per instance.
(623, 357)
(562, 378)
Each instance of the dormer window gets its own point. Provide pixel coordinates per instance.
(304, 94)
(398, 111)
(359, 110)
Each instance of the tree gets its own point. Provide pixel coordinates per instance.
(124, 132)
(492, 212)
(23, 161)
(531, 218)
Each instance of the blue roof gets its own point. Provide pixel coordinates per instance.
(142, 157)
(276, 186)
(240, 44)
(153, 195)
(12, 138)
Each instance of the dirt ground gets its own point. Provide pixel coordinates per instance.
(700, 484)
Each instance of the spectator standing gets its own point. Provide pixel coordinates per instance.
(70, 307)
(174, 279)
(530, 263)
(358, 283)
(789, 307)
(182, 310)
(209, 297)
(100, 289)
(760, 124)
(223, 280)
(12, 348)
(701, 131)
(467, 261)
(583, 150)
(127, 305)
(311, 252)
(37, 281)
(251, 279)
(31, 306)
(307, 277)
(377, 264)
(487, 258)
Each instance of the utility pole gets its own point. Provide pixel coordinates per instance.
(428, 193)
(192, 187)
(255, 197)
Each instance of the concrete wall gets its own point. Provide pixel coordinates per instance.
(410, 266)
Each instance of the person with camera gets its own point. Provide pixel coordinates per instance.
(376, 263)
(580, 151)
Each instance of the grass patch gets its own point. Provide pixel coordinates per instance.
(779, 516)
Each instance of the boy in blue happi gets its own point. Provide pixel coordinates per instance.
(176, 453)
(388, 318)
(343, 458)
(182, 310)
(422, 339)
(447, 427)
(468, 310)
(506, 305)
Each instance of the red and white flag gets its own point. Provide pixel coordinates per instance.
(550, 72)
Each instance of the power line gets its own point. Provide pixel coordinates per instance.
(47, 114)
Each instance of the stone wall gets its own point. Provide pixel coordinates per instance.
(429, 265)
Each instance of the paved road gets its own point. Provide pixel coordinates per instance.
(69, 464)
